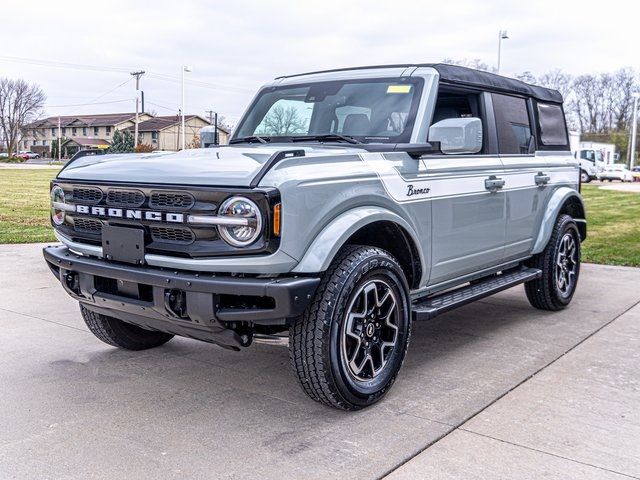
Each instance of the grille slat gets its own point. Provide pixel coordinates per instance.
(125, 198)
(168, 200)
(87, 195)
(87, 225)
(172, 234)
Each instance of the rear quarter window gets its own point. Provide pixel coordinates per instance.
(553, 129)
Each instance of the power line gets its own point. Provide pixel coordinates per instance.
(198, 83)
(112, 90)
(90, 103)
(157, 76)
(163, 106)
(51, 63)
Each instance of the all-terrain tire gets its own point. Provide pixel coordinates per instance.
(547, 292)
(316, 340)
(121, 334)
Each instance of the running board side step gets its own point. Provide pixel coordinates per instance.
(425, 309)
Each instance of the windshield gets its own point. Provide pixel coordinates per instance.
(377, 111)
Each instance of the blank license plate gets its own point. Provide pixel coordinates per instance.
(123, 244)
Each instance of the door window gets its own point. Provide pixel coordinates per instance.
(459, 104)
(512, 124)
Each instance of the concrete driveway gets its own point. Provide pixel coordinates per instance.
(493, 390)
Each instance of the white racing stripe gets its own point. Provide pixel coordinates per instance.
(432, 186)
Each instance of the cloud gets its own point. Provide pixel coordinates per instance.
(236, 46)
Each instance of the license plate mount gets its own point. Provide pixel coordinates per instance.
(123, 244)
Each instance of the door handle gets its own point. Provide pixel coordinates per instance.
(542, 179)
(493, 184)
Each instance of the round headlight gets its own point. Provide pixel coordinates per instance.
(57, 197)
(249, 221)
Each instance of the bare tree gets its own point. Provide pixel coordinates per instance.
(282, 121)
(20, 103)
(557, 80)
(625, 84)
(527, 77)
(474, 63)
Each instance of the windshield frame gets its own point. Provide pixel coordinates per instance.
(417, 82)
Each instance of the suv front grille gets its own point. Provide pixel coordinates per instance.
(87, 195)
(178, 200)
(125, 198)
(87, 225)
(172, 234)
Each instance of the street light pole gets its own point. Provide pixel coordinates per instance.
(634, 129)
(502, 35)
(185, 68)
(59, 141)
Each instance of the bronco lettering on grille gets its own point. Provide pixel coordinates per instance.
(131, 214)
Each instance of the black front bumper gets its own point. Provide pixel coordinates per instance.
(210, 302)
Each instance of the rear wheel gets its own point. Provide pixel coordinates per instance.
(560, 265)
(121, 334)
(349, 345)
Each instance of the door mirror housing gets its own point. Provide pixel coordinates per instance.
(457, 135)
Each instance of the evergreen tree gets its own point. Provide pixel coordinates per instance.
(121, 142)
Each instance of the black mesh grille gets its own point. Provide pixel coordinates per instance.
(172, 234)
(125, 198)
(178, 200)
(87, 195)
(88, 225)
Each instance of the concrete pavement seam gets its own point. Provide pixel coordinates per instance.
(547, 453)
(44, 320)
(499, 397)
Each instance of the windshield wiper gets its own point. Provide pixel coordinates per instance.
(328, 136)
(250, 139)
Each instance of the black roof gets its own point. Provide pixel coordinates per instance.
(456, 74)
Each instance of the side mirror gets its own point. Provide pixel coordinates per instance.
(457, 135)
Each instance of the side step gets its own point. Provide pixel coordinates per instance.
(425, 309)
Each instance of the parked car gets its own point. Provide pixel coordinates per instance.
(28, 155)
(615, 171)
(635, 173)
(390, 194)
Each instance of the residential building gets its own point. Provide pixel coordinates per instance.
(164, 132)
(80, 132)
(83, 131)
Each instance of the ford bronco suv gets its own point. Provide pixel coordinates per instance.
(348, 204)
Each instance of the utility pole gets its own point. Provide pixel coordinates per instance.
(137, 74)
(502, 35)
(634, 129)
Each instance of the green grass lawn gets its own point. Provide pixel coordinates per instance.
(613, 227)
(613, 217)
(24, 205)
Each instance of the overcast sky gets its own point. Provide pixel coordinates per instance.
(236, 46)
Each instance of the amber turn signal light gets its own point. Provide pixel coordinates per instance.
(276, 219)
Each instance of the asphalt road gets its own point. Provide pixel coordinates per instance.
(493, 390)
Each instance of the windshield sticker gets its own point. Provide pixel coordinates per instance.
(399, 89)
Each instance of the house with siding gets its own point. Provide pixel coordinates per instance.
(83, 131)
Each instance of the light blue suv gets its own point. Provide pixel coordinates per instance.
(348, 203)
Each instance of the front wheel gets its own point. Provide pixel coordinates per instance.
(349, 345)
(584, 177)
(121, 334)
(560, 265)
